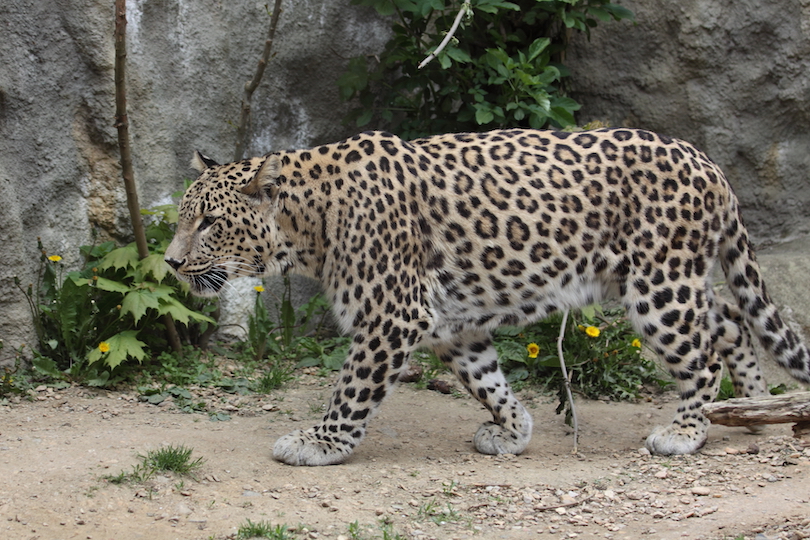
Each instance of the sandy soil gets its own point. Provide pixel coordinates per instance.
(417, 472)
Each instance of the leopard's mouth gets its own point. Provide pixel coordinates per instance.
(208, 283)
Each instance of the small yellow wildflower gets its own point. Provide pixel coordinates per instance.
(54, 258)
(580, 327)
(259, 288)
(592, 331)
(636, 343)
(104, 346)
(533, 349)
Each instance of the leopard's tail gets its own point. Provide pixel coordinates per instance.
(745, 281)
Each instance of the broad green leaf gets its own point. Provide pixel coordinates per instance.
(483, 116)
(619, 12)
(181, 313)
(122, 346)
(354, 79)
(458, 55)
(124, 257)
(538, 46)
(155, 265)
(589, 312)
(364, 118)
(110, 285)
(46, 366)
(137, 302)
(445, 61)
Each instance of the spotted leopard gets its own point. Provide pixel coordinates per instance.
(435, 242)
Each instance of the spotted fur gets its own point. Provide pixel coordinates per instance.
(435, 242)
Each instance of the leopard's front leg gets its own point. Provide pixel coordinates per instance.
(372, 367)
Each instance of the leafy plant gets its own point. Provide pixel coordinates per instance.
(262, 529)
(602, 355)
(176, 459)
(298, 339)
(10, 380)
(90, 321)
(503, 68)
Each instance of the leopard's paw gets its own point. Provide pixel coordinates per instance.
(492, 438)
(305, 448)
(675, 439)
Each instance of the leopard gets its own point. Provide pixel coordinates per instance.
(436, 242)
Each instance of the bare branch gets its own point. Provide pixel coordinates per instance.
(127, 172)
(567, 380)
(251, 85)
(465, 7)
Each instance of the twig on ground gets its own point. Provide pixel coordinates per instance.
(567, 381)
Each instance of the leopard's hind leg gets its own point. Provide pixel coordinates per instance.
(674, 319)
(473, 359)
(732, 341)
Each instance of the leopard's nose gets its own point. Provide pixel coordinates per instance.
(174, 263)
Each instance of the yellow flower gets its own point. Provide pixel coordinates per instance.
(104, 346)
(259, 288)
(592, 331)
(55, 258)
(533, 349)
(636, 343)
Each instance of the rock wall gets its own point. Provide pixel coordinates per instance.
(729, 76)
(188, 61)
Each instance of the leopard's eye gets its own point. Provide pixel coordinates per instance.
(207, 221)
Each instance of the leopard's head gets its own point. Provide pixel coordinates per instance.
(225, 226)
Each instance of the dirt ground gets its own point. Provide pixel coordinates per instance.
(416, 475)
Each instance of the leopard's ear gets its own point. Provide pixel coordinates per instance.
(265, 182)
(200, 162)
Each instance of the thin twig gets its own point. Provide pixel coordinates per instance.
(464, 8)
(566, 380)
(251, 85)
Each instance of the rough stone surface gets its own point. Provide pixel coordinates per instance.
(728, 76)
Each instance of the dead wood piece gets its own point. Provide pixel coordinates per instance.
(781, 409)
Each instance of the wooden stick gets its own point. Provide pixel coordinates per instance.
(782, 409)
(567, 382)
(464, 8)
(251, 85)
(127, 172)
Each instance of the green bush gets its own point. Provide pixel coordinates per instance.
(602, 355)
(90, 321)
(503, 68)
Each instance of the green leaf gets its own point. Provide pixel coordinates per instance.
(46, 366)
(364, 118)
(458, 55)
(137, 302)
(619, 12)
(110, 285)
(589, 312)
(354, 79)
(124, 257)
(179, 312)
(155, 265)
(483, 116)
(538, 46)
(122, 346)
(444, 60)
